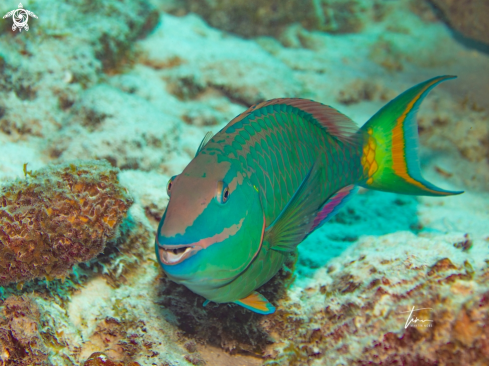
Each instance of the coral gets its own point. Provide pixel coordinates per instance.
(125, 253)
(57, 217)
(357, 311)
(195, 360)
(424, 10)
(469, 17)
(469, 122)
(20, 341)
(190, 346)
(101, 359)
(387, 54)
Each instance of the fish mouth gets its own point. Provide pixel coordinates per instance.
(174, 254)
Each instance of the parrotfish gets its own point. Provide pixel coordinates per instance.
(272, 176)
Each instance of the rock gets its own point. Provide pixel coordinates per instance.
(469, 17)
(251, 18)
(20, 339)
(358, 310)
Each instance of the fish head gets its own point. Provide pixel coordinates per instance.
(213, 225)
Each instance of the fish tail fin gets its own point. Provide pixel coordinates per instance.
(390, 150)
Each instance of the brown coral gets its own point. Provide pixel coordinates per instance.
(58, 217)
(20, 341)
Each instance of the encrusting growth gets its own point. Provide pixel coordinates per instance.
(20, 339)
(57, 217)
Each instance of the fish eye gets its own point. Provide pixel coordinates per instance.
(170, 185)
(222, 193)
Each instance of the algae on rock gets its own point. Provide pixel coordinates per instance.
(344, 319)
(20, 340)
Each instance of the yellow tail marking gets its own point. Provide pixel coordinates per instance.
(369, 164)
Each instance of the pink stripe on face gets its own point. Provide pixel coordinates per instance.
(170, 259)
(225, 234)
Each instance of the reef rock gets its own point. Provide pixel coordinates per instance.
(57, 217)
(20, 340)
(469, 17)
(357, 311)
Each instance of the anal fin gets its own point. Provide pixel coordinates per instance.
(257, 303)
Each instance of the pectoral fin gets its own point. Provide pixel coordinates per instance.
(297, 218)
(206, 302)
(257, 303)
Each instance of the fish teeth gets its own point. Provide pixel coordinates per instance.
(173, 256)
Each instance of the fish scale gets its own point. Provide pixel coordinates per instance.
(309, 137)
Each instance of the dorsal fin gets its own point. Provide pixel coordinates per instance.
(337, 124)
(205, 140)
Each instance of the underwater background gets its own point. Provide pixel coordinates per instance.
(106, 100)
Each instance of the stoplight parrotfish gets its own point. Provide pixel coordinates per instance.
(269, 178)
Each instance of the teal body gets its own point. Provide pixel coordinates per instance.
(268, 179)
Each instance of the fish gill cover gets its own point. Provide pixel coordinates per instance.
(140, 83)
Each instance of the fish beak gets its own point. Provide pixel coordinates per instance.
(174, 254)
